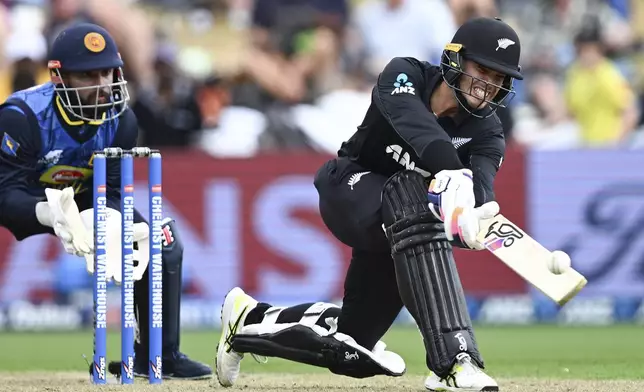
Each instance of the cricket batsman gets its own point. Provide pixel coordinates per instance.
(48, 135)
(414, 180)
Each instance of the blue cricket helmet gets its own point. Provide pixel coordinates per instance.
(87, 47)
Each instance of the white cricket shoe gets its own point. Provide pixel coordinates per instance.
(236, 306)
(465, 376)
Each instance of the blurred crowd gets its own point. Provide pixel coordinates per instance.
(240, 77)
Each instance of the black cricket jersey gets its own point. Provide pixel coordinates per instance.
(400, 131)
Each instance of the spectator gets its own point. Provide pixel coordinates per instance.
(637, 25)
(465, 10)
(597, 95)
(25, 53)
(25, 49)
(542, 122)
(229, 131)
(295, 44)
(167, 111)
(294, 58)
(402, 28)
(129, 26)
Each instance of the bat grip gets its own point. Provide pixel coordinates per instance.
(434, 199)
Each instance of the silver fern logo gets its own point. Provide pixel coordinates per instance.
(355, 178)
(504, 43)
(459, 142)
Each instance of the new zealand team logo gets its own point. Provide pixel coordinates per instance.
(503, 234)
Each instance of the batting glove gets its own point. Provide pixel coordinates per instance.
(451, 199)
(470, 220)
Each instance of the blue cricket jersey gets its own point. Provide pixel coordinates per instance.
(44, 146)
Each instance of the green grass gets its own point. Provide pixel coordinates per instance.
(545, 351)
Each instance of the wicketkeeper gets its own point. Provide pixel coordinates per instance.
(49, 133)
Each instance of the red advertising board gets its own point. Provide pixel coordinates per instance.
(255, 223)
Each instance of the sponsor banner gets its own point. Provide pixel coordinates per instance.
(495, 310)
(590, 204)
(25, 316)
(252, 223)
(527, 309)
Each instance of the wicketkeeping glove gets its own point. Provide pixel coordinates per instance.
(141, 252)
(60, 212)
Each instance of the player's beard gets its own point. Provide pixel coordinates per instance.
(89, 108)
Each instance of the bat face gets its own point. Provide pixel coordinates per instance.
(501, 234)
(528, 258)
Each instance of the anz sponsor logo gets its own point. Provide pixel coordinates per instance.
(403, 85)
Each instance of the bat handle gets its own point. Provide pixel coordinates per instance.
(434, 199)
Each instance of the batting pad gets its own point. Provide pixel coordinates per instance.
(317, 346)
(428, 281)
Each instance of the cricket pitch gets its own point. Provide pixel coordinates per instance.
(79, 382)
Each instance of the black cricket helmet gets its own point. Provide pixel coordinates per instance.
(87, 47)
(492, 44)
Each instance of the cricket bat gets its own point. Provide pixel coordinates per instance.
(528, 258)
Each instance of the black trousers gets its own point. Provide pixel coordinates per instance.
(350, 206)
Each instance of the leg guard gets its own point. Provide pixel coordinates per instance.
(428, 281)
(172, 255)
(307, 334)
